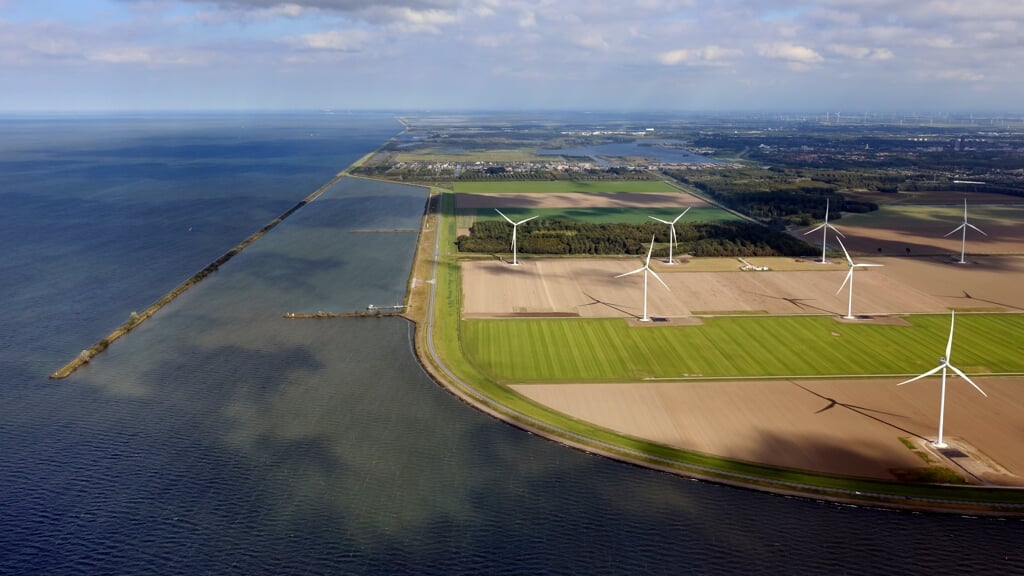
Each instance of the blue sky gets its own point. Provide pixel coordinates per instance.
(838, 55)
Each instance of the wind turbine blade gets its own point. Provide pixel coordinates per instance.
(949, 343)
(820, 226)
(681, 215)
(955, 230)
(925, 375)
(528, 219)
(868, 265)
(505, 217)
(649, 252)
(836, 230)
(659, 220)
(640, 269)
(848, 259)
(969, 381)
(847, 279)
(976, 228)
(658, 278)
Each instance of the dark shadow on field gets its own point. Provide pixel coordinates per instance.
(507, 267)
(967, 296)
(862, 410)
(617, 307)
(796, 302)
(862, 459)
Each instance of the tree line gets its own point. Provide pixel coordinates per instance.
(557, 236)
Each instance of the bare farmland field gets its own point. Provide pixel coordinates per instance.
(588, 288)
(848, 427)
(577, 200)
(922, 229)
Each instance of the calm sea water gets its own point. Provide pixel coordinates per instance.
(223, 438)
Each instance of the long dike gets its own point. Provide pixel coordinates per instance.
(136, 319)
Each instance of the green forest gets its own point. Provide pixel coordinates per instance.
(556, 236)
(778, 197)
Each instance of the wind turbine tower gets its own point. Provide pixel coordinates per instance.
(963, 239)
(849, 278)
(824, 232)
(671, 232)
(646, 268)
(944, 365)
(515, 226)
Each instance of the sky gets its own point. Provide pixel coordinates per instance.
(852, 56)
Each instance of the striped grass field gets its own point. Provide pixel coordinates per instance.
(596, 350)
(563, 186)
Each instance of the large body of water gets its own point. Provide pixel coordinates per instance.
(221, 438)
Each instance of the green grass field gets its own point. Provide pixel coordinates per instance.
(583, 350)
(604, 215)
(907, 217)
(561, 186)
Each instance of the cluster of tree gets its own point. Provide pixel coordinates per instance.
(556, 236)
(967, 189)
(775, 203)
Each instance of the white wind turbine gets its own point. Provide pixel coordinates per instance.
(849, 278)
(824, 227)
(964, 226)
(943, 366)
(671, 232)
(645, 269)
(515, 226)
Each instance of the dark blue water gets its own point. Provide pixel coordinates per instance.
(221, 437)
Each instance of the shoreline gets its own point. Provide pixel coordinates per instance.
(433, 364)
(420, 310)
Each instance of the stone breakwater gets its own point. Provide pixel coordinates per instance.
(138, 318)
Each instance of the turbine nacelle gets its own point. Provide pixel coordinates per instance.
(672, 241)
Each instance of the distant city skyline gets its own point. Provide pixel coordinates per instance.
(850, 56)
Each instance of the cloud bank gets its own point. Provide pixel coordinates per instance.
(642, 54)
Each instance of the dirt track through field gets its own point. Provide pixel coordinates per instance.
(848, 427)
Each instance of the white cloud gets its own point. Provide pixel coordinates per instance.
(335, 40)
(792, 53)
(409, 20)
(706, 55)
(528, 19)
(957, 75)
(861, 52)
(123, 55)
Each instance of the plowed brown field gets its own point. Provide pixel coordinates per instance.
(848, 427)
(577, 200)
(588, 287)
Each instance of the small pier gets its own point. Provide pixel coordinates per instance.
(372, 311)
